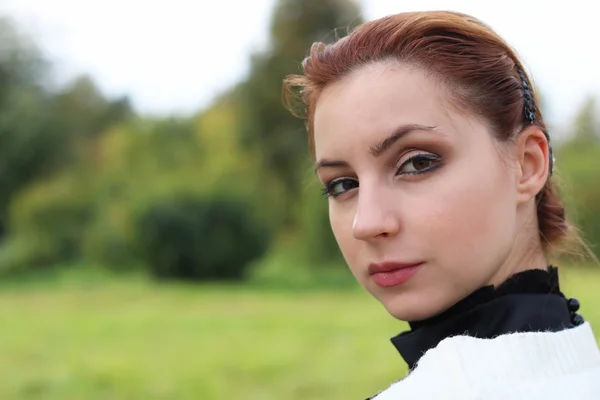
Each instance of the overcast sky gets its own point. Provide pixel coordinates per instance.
(175, 55)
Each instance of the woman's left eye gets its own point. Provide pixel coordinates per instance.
(419, 164)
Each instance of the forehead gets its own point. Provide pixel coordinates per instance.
(375, 100)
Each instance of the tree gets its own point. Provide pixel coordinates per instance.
(40, 129)
(578, 168)
(32, 141)
(85, 109)
(266, 124)
(585, 125)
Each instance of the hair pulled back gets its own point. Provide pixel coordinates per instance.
(481, 70)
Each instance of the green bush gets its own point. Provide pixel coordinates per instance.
(47, 221)
(196, 238)
(19, 255)
(317, 240)
(106, 244)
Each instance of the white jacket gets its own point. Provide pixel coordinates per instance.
(529, 366)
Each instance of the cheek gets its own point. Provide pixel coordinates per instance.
(469, 216)
(341, 219)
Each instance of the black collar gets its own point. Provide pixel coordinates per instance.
(527, 301)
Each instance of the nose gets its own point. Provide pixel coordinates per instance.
(376, 215)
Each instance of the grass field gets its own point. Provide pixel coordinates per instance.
(137, 340)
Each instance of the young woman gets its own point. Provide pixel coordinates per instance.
(437, 164)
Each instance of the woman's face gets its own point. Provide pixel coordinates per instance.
(421, 202)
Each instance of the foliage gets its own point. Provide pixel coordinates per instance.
(47, 222)
(579, 171)
(266, 124)
(107, 239)
(78, 168)
(31, 140)
(196, 238)
(81, 172)
(586, 126)
(279, 137)
(317, 239)
(40, 128)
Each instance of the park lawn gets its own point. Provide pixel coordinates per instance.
(139, 340)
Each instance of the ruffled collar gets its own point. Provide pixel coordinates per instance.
(528, 301)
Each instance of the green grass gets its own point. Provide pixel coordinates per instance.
(138, 340)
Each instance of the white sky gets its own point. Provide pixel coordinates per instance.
(174, 56)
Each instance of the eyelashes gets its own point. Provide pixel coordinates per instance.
(421, 163)
(417, 164)
(344, 184)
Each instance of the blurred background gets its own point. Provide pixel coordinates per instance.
(162, 235)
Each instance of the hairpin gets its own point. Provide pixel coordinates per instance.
(530, 110)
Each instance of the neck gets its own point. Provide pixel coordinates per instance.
(525, 254)
(536, 259)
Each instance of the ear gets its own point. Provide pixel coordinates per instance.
(533, 157)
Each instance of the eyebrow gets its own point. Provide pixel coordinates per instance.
(332, 164)
(379, 148)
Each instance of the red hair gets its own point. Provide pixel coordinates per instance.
(476, 64)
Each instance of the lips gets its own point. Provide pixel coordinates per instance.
(389, 274)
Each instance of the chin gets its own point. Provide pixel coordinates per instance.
(404, 314)
(409, 307)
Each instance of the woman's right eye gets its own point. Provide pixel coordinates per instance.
(339, 186)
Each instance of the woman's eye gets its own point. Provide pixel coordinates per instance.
(419, 164)
(339, 186)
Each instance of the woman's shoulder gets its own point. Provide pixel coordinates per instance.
(530, 365)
